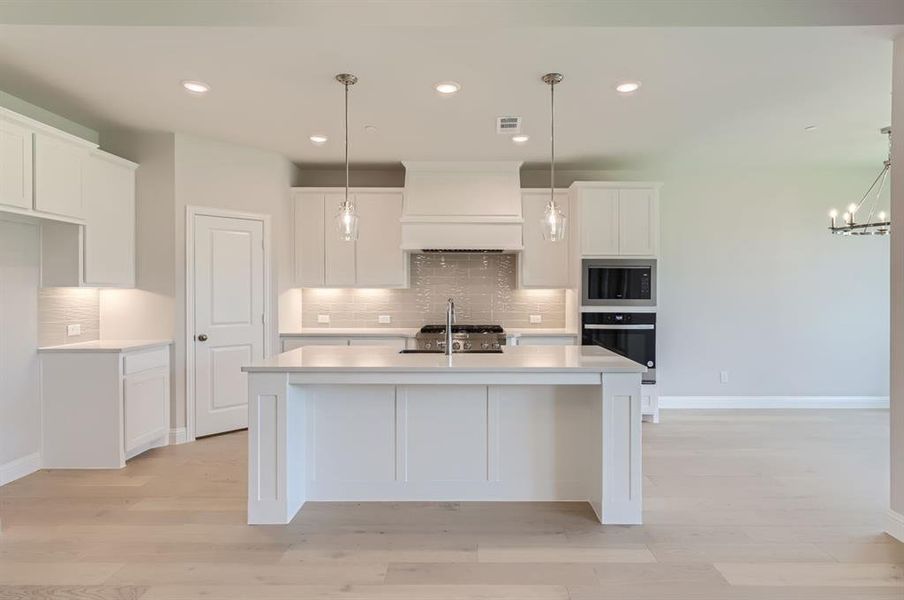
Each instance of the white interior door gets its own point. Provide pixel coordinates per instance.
(229, 318)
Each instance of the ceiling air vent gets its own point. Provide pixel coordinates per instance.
(508, 125)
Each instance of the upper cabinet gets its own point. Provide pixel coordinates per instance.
(15, 165)
(374, 260)
(543, 264)
(109, 210)
(618, 219)
(58, 166)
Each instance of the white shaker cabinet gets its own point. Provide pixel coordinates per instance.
(103, 403)
(375, 260)
(58, 165)
(109, 244)
(380, 261)
(15, 165)
(543, 264)
(618, 218)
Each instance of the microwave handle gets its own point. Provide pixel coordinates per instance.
(591, 326)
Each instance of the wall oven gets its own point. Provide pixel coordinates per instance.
(618, 282)
(632, 335)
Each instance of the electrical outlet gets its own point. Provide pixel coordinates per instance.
(723, 376)
(73, 330)
(384, 319)
(323, 318)
(535, 319)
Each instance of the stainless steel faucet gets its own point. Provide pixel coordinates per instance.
(450, 320)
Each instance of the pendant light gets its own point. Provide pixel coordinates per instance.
(347, 219)
(554, 221)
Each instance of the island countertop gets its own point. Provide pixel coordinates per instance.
(513, 359)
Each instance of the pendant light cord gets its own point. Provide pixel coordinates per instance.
(552, 143)
(346, 144)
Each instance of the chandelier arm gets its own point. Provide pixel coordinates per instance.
(875, 205)
(870, 188)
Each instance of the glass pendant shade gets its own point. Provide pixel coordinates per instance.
(347, 222)
(553, 224)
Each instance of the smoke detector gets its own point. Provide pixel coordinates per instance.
(508, 125)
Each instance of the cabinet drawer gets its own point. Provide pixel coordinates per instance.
(148, 359)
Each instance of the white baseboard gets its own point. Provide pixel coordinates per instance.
(753, 402)
(178, 435)
(894, 525)
(20, 467)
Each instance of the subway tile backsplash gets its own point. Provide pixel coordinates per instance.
(59, 307)
(483, 286)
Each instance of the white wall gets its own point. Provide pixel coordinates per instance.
(177, 171)
(20, 405)
(897, 292)
(752, 283)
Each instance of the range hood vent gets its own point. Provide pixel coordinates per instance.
(462, 251)
(462, 207)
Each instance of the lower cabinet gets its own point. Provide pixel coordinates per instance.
(102, 407)
(546, 340)
(298, 341)
(649, 402)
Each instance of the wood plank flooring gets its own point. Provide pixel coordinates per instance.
(739, 505)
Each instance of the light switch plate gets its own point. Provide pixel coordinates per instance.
(534, 319)
(384, 319)
(323, 318)
(73, 330)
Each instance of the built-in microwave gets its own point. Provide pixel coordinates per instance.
(619, 282)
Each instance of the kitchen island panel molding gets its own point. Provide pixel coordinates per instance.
(425, 431)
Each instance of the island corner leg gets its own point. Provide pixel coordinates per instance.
(276, 449)
(616, 496)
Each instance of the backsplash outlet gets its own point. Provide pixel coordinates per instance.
(60, 307)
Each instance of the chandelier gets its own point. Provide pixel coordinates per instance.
(877, 221)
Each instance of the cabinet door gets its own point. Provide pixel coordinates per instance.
(543, 264)
(15, 165)
(339, 263)
(145, 398)
(398, 343)
(309, 230)
(380, 261)
(636, 222)
(58, 176)
(599, 222)
(110, 223)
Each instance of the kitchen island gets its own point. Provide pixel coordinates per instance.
(542, 423)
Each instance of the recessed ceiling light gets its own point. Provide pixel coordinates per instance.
(318, 140)
(196, 87)
(627, 87)
(447, 87)
(520, 139)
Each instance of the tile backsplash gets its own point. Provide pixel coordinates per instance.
(483, 286)
(59, 307)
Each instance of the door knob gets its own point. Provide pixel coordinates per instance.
(202, 337)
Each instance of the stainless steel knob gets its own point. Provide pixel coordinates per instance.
(202, 337)
(456, 345)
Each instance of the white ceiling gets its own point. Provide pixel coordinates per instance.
(734, 95)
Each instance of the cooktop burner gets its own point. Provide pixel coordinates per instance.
(463, 329)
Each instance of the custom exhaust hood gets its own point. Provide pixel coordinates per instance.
(462, 207)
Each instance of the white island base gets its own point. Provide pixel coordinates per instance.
(368, 424)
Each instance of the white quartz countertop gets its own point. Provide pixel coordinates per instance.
(408, 332)
(107, 346)
(360, 359)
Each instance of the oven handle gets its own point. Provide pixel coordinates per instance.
(591, 326)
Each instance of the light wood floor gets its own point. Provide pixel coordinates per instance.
(739, 505)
